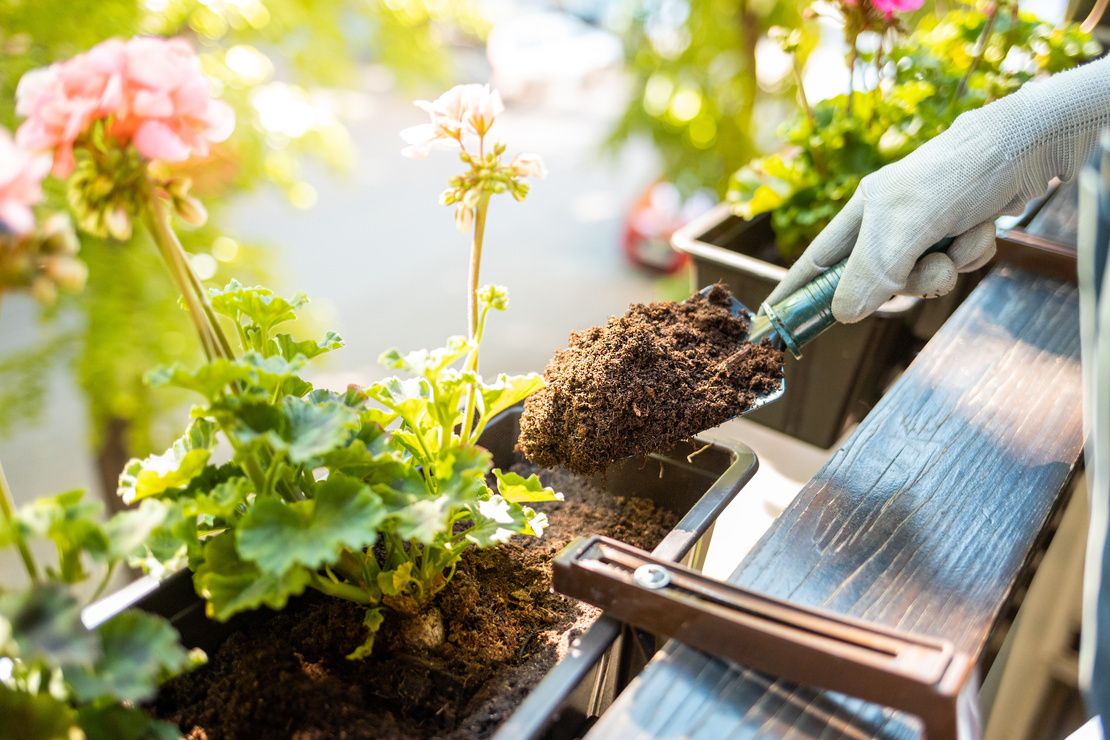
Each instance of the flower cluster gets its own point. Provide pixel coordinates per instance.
(21, 175)
(150, 91)
(43, 260)
(467, 111)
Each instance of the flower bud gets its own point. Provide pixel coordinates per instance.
(191, 210)
(68, 273)
(528, 165)
(118, 223)
(464, 218)
(448, 197)
(59, 236)
(470, 198)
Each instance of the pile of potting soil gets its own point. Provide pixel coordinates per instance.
(646, 380)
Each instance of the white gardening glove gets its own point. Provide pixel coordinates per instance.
(988, 163)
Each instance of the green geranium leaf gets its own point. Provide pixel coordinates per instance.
(409, 398)
(257, 304)
(45, 624)
(516, 488)
(172, 469)
(115, 722)
(137, 651)
(39, 716)
(223, 501)
(209, 379)
(289, 348)
(423, 520)
(373, 621)
(394, 582)
(495, 521)
(231, 585)
(359, 461)
(128, 530)
(72, 524)
(277, 536)
(461, 474)
(276, 374)
(425, 363)
(507, 391)
(314, 429)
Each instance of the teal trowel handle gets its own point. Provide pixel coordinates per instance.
(806, 313)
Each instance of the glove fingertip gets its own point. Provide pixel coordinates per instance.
(934, 275)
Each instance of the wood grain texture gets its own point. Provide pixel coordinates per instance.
(924, 519)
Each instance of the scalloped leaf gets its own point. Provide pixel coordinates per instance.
(314, 429)
(172, 469)
(516, 488)
(290, 348)
(277, 536)
(137, 651)
(128, 530)
(232, 585)
(393, 582)
(257, 304)
(72, 524)
(45, 623)
(408, 398)
(425, 363)
(275, 374)
(495, 521)
(507, 391)
(115, 722)
(359, 461)
(210, 379)
(223, 501)
(40, 716)
(461, 474)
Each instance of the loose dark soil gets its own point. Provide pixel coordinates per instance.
(645, 381)
(287, 676)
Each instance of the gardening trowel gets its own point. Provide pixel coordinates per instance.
(796, 320)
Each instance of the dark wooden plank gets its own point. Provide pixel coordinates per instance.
(924, 519)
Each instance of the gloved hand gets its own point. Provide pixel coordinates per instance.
(990, 162)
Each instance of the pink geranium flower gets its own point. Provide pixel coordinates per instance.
(890, 7)
(21, 175)
(152, 90)
(462, 109)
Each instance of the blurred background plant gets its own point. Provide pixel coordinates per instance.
(696, 88)
(916, 84)
(262, 58)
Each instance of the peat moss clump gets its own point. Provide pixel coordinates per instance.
(645, 381)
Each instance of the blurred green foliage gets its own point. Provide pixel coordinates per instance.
(695, 89)
(929, 78)
(265, 59)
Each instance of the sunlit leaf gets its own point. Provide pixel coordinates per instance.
(427, 363)
(257, 304)
(72, 523)
(508, 391)
(174, 468)
(128, 530)
(495, 521)
(514, 487)
(290, 348)
(231, 585)
(314, 429)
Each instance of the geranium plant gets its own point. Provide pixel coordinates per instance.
(317, 479)
(922, 82)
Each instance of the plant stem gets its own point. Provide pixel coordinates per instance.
(340, 590)
(818, 155)
(7, 508)
(984, 41)
(472, 308)
(157, 218)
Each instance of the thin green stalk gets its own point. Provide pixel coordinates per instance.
(157, 218)
(472, 308)
(103, 585)
(340, 590)
(7, 508)
(984, 41)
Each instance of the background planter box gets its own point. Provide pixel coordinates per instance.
(845, 369)
(607, 656)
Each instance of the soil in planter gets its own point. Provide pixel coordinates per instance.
(645, 381)
(287, 675)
